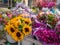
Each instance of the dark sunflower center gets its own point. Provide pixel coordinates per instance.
(12, 30)
(27, 22)
(26, 29)
(18, 34)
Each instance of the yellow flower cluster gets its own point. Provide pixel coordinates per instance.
(19, 27)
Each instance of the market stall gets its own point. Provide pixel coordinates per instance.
(35, 23)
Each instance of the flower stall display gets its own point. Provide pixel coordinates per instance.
(46, 28)
(22, 22)
(19, 27)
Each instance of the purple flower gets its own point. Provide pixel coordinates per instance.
(51, 4)
(37, 24)
(48, 36)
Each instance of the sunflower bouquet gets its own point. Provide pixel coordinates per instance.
(19, 27)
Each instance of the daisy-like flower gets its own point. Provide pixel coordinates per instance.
(17, 23)
(10, 29)
(18, 27)
(27, 21)
(27, 30)
(17, 36)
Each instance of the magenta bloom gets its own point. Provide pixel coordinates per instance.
(48, 36)
(51, 4)
(46, 4)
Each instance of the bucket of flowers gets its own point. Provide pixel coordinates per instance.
(18, 28)
(47, 31)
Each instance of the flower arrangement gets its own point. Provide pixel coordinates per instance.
(49, 19)
(19, 27)
(46, 28)
(20, 8)
(46, 3)
(52, 20)
(46, 35)
(5, 15)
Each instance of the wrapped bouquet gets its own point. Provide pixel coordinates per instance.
(46, 28)
(19, 27)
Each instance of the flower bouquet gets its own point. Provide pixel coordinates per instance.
(46, 3)
(19, 27)
(46, 30)
(20, 8)
(23, 9)
(5, 16)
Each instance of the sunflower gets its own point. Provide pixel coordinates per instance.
(19, 17)
(11, 22)
(10, 29)
(27, 30)
(27, 21)
(17, 36)
(17, 23)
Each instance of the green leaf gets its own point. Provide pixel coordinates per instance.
(20, 26)
(22, 21)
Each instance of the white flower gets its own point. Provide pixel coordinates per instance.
(4, 15)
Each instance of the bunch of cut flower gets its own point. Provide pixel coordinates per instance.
(46, 3)
(22, 8)
(19, 27)
(5, 15)
(47, 28)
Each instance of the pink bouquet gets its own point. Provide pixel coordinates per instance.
(47, 31)
(46, 3)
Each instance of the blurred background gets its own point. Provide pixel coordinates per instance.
(11, 3)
